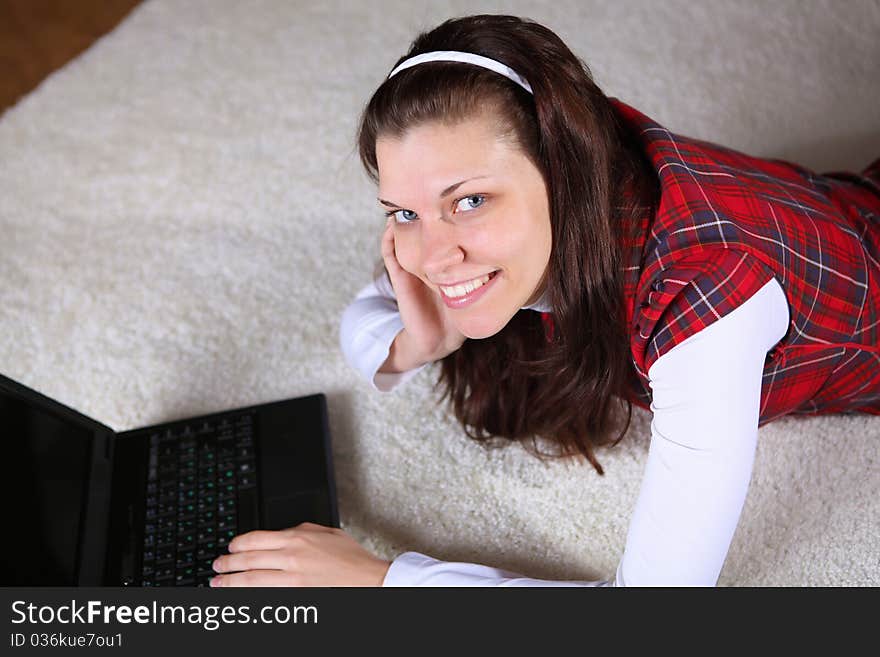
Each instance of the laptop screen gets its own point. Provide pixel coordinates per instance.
(47, 463)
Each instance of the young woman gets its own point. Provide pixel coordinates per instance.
(563, 256)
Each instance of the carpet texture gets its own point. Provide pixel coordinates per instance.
(183, 220)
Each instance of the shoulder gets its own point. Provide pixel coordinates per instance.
(694, 293)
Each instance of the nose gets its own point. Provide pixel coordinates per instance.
(440, 247)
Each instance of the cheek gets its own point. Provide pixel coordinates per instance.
(507, 244)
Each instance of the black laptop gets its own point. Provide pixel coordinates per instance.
(87, 506)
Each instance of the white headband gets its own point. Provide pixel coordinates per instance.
(468, 58)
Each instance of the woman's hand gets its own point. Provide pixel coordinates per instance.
(305, 555)
(428, 332)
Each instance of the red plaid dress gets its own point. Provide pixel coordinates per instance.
(726, 224)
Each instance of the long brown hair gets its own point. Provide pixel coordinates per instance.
(520, 385)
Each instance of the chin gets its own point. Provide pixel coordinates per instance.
(477, 328)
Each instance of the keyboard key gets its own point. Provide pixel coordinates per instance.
(204, 568)
(204, 554)
(185, 558)
(205, 535)
(207, 501)
(186, 541)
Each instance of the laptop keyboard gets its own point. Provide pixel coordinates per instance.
(201, 492)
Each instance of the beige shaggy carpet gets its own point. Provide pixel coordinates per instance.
(183, 220)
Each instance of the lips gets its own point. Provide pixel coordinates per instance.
(470, 295)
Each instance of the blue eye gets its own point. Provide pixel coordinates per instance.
(394, 213)
(469, 205)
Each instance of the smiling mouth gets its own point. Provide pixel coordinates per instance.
(462, 289)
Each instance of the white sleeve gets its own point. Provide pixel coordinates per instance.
(369, 325)
(706, 402)
(706, 397)
(416, 569)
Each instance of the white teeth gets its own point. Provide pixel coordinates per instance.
(464, 288)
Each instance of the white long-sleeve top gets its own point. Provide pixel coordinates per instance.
(706, 396)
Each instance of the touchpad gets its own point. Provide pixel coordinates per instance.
(290, 510)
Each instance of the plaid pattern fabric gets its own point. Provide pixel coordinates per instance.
(728, 222)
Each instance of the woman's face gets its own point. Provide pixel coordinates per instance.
(467, 205)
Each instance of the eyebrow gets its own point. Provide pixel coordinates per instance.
(446, 192)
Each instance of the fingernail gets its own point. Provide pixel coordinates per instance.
(215, 581)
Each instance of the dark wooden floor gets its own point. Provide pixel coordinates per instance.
(39, 36)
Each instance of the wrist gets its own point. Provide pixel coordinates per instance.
(400, 355)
